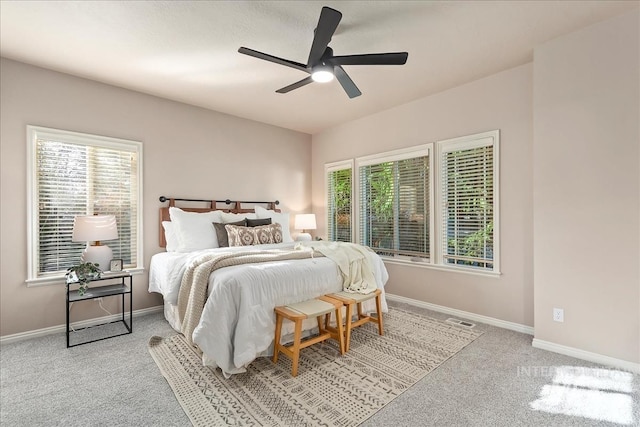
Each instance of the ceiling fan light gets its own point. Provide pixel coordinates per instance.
(322, 74)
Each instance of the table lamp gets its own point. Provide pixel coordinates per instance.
(305, 222)
(95, 228)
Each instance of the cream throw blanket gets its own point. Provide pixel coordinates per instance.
(353, 261)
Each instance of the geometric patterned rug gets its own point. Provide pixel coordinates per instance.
(330, 389)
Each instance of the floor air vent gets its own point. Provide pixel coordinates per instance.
(462, 323)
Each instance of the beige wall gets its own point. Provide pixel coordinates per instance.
(502, 101)
(587, 188)
(188, 152)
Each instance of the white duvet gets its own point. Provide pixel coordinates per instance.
(238, 323)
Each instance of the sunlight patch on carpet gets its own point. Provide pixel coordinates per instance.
(595, 393)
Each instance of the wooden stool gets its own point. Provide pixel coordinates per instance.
(319, 308)
(350, 298)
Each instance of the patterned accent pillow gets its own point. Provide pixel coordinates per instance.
(265, 234)
(221, 232)
(260, 235)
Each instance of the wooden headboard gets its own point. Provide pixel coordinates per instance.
(213, 205)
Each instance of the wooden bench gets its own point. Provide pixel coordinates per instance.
(318, 308)
(348, 299)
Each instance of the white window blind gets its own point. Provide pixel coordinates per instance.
(77, 174)
(339, 201)
(394, 204)
(468, 180)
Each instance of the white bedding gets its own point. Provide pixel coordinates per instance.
(238, 322)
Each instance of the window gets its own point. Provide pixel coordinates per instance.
(339, 185)
(74, 174)
(468, 193)
(393, 203)
(409, 210)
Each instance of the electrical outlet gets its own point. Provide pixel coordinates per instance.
(558, 315)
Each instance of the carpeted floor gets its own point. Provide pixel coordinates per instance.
(330, 389)
(499, 380)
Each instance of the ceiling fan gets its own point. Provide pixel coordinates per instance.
(322, 65)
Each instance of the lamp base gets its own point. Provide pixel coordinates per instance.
(303, 237)
(100, 255)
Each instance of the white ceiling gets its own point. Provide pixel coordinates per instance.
(187, 50)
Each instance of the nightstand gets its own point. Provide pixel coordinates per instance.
(121, 283)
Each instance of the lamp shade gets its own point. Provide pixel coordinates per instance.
(94, 228)
(305, 222)
(90, 228)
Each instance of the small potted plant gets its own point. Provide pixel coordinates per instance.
(82, 274)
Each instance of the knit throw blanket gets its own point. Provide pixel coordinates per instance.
(352, 260)
(193, 288)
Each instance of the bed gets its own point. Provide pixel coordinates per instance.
(237, 321)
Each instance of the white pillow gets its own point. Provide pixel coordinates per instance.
(280, 218)
(170, 236)
(194, 230)
(235, 217)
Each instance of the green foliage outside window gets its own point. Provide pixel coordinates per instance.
(395, 204)
(340, 181)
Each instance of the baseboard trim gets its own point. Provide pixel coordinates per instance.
(587, 355)
(81, 324)
(537, 343)
(464, 314)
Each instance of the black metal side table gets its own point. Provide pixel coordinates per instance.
(108, 290)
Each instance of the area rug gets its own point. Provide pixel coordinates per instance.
(330, 390)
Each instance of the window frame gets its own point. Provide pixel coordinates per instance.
(469, 142)
(435, 152)
(34, 276)
(333, 167)
(392, 156)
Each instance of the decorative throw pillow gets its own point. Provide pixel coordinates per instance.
(221, 232)
(256, 222)
(265, 234)
(259, 235)
(277, 217)
(239, 236)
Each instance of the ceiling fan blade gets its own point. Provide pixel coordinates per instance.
(271, 58)
(327, 24)
(347, 84)
(394, 58)
(296, 85)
